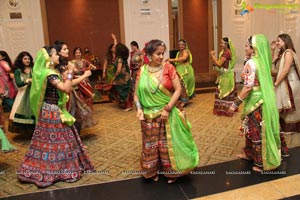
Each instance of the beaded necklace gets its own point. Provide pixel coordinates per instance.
(153, 69)
(153, 91)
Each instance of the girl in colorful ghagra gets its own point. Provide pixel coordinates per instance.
(168, 146)
(260, 123)
(224, 65)
(79, 106)
(87, 91)
(83, 94)
(136, 61)
(56, 152)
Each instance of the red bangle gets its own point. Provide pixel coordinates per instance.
(167, 108)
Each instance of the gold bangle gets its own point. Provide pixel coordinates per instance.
(240, 98)
(167, 108)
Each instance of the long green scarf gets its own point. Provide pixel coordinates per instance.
(186, 72)
(182, 149)
(4, 143)
(271, 144)
(226, 77)
(41, 70)
(252, 101)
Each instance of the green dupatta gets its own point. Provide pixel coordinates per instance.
(5, 144)
(252, 101)
(186, 72)
(226, 80)
(271, 144)
(41, 70)
(182, 149)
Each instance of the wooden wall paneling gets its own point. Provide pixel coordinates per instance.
(84, 23)
(45, 23)
(195, 16)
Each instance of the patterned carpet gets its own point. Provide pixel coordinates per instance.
(114, 145)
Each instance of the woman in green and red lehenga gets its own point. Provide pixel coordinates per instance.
(260, 125)
(183, 63)
(226, 91)
(168, 146)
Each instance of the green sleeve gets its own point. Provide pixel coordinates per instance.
(18, 79)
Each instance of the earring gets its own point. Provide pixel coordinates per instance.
(51, 62)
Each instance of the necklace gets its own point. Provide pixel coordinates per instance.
(153, 91)
(153, 69)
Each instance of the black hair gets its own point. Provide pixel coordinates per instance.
(109, 53)
(288, 43)
(153, 45)
(58, 44)
(49, 49)
(134, 43)
(122, 51)
(182, 40)
(250, 41)
(77, 48)
(19, 61)
(6, 58)
(226, 40)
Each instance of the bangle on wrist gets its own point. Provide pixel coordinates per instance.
(69, 76)
(138, 105)
(234, 105)
(237, 102)
(240, 99)
(167, 108)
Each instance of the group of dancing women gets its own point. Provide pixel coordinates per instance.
(57, 97)
(271, 82)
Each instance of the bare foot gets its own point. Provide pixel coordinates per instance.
(172, 180)
(155, 178)
(243, 156)
(256, 169)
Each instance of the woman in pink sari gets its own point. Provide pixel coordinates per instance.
(8, 90)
